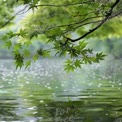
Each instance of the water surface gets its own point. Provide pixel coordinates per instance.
(46, 93)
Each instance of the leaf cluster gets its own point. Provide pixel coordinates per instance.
(59, 23)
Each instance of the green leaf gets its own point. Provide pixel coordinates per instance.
(46, 53)
(27, 1)
(22, 32)
(19, 59)
(28, 63)
(27, 43)
(69, 65)
(26, 53)
(5, 38)
(82, 44)
(40, 52)
(77, 63)
(100, 56)
(35, 57)
(90, 50)
(17, 46)
(8, 44)
(10, 34)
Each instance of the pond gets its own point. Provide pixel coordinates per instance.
(46, 93)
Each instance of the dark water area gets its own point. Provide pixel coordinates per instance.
(46, 93)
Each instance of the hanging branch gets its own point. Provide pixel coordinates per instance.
(108, 16)
(19, 12)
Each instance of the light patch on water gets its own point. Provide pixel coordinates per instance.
(99, 85)
(78, 89)
(114, 100)
(41, 101)
(62, 84)
(25, 99)
(106, 114)
(73, 87)
(49, 87)
(3, 91)
(9, 82)
(48, 84)
(2, 86)
(27, 82)
(90, 84)
(21, 85)
(120, 84)
(112, 85)
(35, 112)
(110, 81)
(35, 83)
(32, 108)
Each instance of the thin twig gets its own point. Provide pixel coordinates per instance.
(6, 23)
(108, 15)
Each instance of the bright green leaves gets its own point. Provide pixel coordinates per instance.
(77, 63)
(26, 57)
(27, 53)
(57, 21)
(25, 1)
(61, 48)
(6, 39)
(35, 57)
(21, 48)
(79, 55)
(17, 46)
(8, 44)
(69, 66)
(6, 11)
(22, 33)
(28, 63)
(55, 32)
(99, 56)
(72, 64)
(82, 45)
(10, 34)
(19, 59)
(43, 53)
(78, 49)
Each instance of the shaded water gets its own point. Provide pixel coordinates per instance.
(46, 93)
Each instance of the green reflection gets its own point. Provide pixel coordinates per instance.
(43, 94)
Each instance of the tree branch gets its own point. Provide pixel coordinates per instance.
(108, 16)
(6, 23)
(62, 5)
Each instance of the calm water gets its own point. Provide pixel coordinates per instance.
(46, 93)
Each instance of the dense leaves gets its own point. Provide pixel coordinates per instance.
(6, 10)
(63, 24)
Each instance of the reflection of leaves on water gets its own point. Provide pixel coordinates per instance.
(79, 93)
(7, 114)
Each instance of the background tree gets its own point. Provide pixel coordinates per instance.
(6, 12)
(65, 25)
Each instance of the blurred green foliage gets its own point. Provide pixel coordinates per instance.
(63, 25)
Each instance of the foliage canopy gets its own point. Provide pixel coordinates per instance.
(64, 25)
